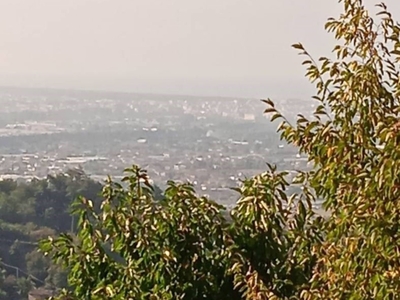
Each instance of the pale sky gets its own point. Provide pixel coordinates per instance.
(198, 47)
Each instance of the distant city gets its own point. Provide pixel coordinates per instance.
(211, 142)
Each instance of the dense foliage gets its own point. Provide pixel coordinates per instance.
(353, 142)
(183, 247)
(31, 211)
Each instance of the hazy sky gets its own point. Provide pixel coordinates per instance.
(206, 47)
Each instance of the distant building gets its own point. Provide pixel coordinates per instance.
(249, 117)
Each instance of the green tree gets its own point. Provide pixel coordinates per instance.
(158, 194)
(137, 247)
(7, 186)
(352, 140)
(37, 265)
(24, 286)
(10, 288)
(34, 210)
(57, 277)
(273, 238)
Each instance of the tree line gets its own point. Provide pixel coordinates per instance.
(31, 211)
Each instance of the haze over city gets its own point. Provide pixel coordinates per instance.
(215, 48)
